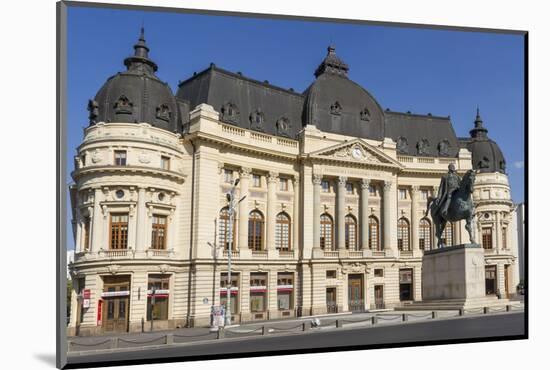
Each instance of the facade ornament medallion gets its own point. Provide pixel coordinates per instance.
(96, 156)
(163, 268)
(144, 158)
(113, 269)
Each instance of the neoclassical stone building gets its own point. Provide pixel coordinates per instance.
(334, 215)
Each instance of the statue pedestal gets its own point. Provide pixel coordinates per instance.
(455, 272)
(454, 278)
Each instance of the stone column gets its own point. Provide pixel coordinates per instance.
(141, 213)
(365, 183)
(242, 242)
(296, 215)
(79, 224)
(497, 245)
(271, 209)
(414, 220)
(97, 226)
(341, 212)
(317, 211)
(390, 223)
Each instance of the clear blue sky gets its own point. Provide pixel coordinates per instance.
(441, 72)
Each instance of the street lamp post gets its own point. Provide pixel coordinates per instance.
(152, 306)
(231, 200)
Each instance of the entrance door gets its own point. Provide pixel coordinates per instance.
(490, 280)
(332, 307)
(379, 296)
(406, 284)
(355, 293)
(116, 296)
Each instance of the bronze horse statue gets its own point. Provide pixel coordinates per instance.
(460, 208)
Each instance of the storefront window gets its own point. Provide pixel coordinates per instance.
(158, 304)
(234, 291)
(258, 292)
(285, 291)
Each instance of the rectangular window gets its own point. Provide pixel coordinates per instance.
(158, 236)
(402, 194)
(258, 292)
(490, 280)
(285, 291)
(325, 186)
(331, 274)
(158, 292)
(378, 272)
(256, 181)
(504, 241)
(86, 245)
(372, 190)
(487, 237)
(120, 157)
(83, 160)
(165, 163)
(349, 188)
(424, 194)
(234, 291)
(228, 176)
(405, 284)
(283, 184)
(119, 231)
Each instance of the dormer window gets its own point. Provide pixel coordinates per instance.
(283, 126)
(365, 114)
(336, 108)
(229, 112)
(163, 112)
(123, 105)
(257, 120)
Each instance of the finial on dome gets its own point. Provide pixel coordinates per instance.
(141, 54)
(478, 131)
(332, 64)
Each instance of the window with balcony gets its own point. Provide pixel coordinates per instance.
(403, 235)
(374, 242)
(487, 237)
(158, 235)
(351, 232)
(118, 237)
(425, 234)
(327, 231)
(282, 232)
(120, 157)
(224, 236)
(255, 230)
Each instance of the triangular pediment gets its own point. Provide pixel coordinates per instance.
(357, 151)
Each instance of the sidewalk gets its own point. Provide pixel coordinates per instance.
(127, 341)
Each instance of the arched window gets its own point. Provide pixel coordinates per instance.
(447, 237)
(403, 235)
(282, 232)
(374, 242)
(425, 234)
(351, 232)
(255, 230)
(326, 231)
(223, 230)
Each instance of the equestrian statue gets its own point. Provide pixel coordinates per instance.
(453, 202)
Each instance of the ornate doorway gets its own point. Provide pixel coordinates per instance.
(116, 297)
(356, 301)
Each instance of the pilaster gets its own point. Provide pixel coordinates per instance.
(271, 209)
(316, 211)
(341, 213)
(242, 241)
(365, 183)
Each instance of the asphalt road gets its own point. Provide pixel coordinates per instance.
(452, 329)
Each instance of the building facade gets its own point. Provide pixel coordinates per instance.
(334, 218)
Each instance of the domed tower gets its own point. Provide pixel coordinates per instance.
(334, 103)
(494, 212)
(136, 95)
(127, 200)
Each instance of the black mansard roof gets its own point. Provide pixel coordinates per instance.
(333, 103)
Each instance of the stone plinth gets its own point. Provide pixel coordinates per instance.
(456, 272)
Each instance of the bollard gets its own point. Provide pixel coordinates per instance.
(374, 320)
(142, 325)
(221, 334)
(339, 323)
(264, 330)
(461, 312)
(434, 314)
(304, 326)
(170, 338)
(405, 317)
(114, 342)
(508, 307)
(485, 310)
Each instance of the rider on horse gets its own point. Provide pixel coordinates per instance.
(449, 184)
